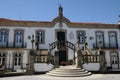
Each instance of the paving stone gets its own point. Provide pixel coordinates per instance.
(46, 77)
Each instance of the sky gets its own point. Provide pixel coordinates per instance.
(102, 11)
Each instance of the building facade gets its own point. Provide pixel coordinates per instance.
(18, 38)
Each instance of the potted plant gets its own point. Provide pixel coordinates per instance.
(63, 63)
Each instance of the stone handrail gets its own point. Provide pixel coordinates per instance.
(87, 50)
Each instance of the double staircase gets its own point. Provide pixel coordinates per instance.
(69, 71)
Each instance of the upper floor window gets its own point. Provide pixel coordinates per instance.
(40, 36)
(113, 39)
(3, 36)
(100, 39)
(18, 38)
(81, 36)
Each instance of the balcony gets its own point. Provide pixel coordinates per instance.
(13, 45)
(105, 46)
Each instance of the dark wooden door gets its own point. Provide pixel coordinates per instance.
(62, 53)
(62, 57)
(61, 36)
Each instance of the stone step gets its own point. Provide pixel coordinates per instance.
(69, 75)
(67, 68)
(69, 71)
(54, 72)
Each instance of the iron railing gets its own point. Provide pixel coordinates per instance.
(105, 46)
(13, 45)
(61, 45)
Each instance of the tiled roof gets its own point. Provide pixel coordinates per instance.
(22, 23)
(4, 19)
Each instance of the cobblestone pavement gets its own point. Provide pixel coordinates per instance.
(46, 77)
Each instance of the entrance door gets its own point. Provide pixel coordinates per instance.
(114, 60)
(61, 36)
(62, 53)
(62, 57)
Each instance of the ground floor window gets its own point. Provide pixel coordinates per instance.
(17, 59)
(114, 60)
(2, 58)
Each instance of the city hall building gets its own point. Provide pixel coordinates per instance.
(42, 46)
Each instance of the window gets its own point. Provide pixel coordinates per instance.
(18, 38)
(100, 39)
(114, 58)
(2, 58)
(17, 59)
(3, 37)
(40, 36)
(112, 39)
(81, 36)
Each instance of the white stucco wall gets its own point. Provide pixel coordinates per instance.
(91, 66)
(9, 59)
(25, 59)
(107, 56)
(42, 67)
(50, 37)
(50, 34)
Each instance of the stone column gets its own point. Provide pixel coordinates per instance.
(30, 65)
(103, 67)
(79, 59)
(56, 59)
(78, 51)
